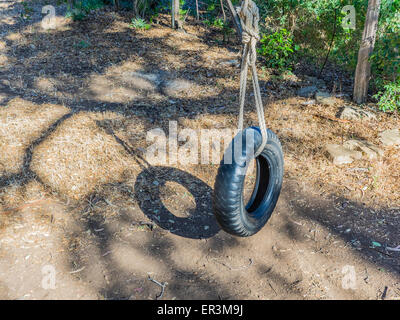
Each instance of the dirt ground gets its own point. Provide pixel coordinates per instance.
(79, 201)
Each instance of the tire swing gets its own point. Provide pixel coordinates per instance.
(232, 214)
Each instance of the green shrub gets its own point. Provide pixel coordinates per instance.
(82, 44)
(389, 99)
(27, 12)
(277, 49)
(81, 8)
(140, 24)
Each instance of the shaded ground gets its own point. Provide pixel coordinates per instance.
(77, 194)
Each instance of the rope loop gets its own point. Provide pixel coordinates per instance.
(249, 17)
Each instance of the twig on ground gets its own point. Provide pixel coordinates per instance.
(76, 271)
(106, 253)
(384, 293)
(372, 248)
(331, 118)
(272, 288)
(234, 268)
(162, 285)
(393, 249)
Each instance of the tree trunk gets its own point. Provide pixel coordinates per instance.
(363, 70)
(223, 11)
(176, 22)
(235, 18)
(71, 4)
(134, 6)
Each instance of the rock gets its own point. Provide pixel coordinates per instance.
(308, 103)
(139, 77)
(341, 155)
(44, 84)
(3, 59)
(355, 113)
(210, 74)
(315, 81)
(174, 87)
(390, 137)
(371, 151)
(307, 92)
(234, 63)
(323, 97)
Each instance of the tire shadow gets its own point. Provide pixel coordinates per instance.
(200, 224)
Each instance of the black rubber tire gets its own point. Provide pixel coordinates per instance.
(229, 209)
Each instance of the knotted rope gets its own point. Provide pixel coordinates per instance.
(249, 17)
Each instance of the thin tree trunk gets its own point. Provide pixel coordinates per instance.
(197, 10)
(330, 45)
(363, 70)
(223, 11)
(173, 14)
(116, 4)
(134, 6)
(176, 23)
(144, 9)
(235, 18)
(71, 4)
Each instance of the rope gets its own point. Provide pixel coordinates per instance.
(249, 17)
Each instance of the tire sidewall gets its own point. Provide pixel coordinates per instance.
(232, 207)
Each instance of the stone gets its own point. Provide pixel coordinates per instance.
(44, 84)
(3, 59)
(307, 92)
(371, 151)
(341, 155)
(308, 103)
(323, 97)
(316, 81)
(174, 87)
(233, 63)
(141, 79)
(390, 137)
(355, 113)
(210, 74)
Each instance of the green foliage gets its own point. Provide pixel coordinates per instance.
(140, 24)
(182, 11)
(389, 99)
(218, 23)
(82, 44)
(386, 56)
(26, 12)
(312, 24)
(221, 25)
(277, 49)
(81, 8)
